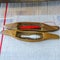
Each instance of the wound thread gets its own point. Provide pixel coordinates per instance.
(29, 27)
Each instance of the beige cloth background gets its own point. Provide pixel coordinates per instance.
(44, 8)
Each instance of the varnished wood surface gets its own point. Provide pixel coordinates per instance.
(44, 35)
(44, 27)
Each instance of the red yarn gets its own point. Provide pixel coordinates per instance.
(29, 27)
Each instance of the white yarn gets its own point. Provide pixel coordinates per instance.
(30, 36)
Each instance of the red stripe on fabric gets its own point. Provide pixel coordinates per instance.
(5, 14)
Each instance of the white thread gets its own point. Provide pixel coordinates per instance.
(31, 36)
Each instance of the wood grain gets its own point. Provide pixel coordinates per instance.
(44, 27)
(44, 35)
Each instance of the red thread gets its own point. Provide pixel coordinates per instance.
(29, 27)
(5, 14)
